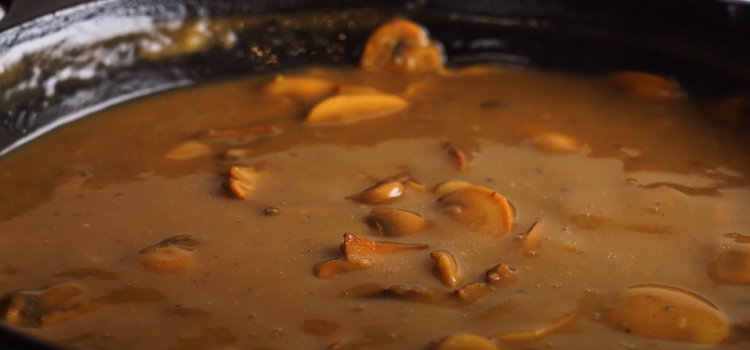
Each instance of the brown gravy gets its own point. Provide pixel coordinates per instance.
(630, 191)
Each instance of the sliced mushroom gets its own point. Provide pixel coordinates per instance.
(401, 46)
(24, 308)
(189, 150)
(643, 84)
(458, 156)
(304, 88)
(532, 335)
(331, 268)
(501, 275)
(669, 313)
(465, 341)
(379, 194)
(395, 223)
(479, 208)
(355, 246)
(556, 143)
(450, 186)
(446, 268)
(732, 261)
(532, 238)
(406, 179)
(240, 135)
(240, 189)
(471, 292)
(241, 181)
(167, 260)
(244, 173)
(352, 108)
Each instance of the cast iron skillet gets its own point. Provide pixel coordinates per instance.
(63, 59)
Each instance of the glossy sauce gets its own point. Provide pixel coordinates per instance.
(643, 199)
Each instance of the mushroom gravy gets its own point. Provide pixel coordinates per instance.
(500, 208)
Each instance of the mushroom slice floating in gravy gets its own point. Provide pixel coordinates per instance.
(670, 313)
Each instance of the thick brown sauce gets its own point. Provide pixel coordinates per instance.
(646, 203)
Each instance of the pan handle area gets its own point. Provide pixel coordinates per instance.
(20, 11)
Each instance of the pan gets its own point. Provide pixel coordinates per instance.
(62, 60)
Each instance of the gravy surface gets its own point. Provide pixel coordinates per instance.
(644, 201)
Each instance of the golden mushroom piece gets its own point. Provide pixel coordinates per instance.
(481, 209)
(385, 192)
(241, 182)
(167, 260)
(26, 308)
(303, 88)
(401, 46)
(396, 223)
(501, 275)
(240, 189)
(446, 267)
(458, 156)
(243, 173)
(556, 143)
(471, 292)
(350, 108)
(355, 246)
(171, 255)
(532, 238)
(333, 267)
(669, 313)
(532, 335)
